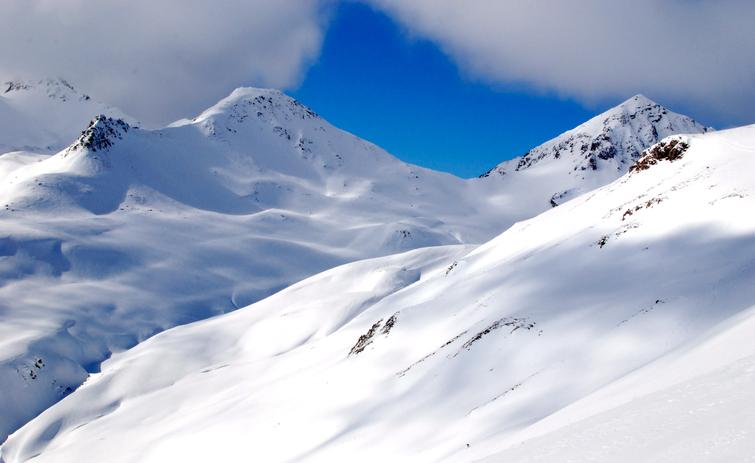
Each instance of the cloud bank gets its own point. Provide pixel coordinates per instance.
(161, 61)
(700, 55)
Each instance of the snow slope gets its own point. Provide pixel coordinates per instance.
(693, 404)
(593, 154)
(45, 116)
(412, 357)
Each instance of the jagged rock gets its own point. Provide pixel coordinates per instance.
(100, 134)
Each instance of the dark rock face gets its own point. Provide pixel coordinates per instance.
(101, 134)
(670, 151)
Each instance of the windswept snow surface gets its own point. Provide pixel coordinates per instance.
(641, 290)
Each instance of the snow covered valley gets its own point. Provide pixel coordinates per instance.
(618, 325)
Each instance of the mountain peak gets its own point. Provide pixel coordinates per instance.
(594, 153)
(54, 88)
(640, 99)
(45, 116)
(612, 140)
(260, 103)
(100, 134)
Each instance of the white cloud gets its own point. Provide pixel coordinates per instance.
(160, 61)
(699, 55)
(163, 60)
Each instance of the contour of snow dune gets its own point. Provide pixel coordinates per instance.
(473, 350)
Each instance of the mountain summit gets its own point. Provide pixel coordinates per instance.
(45, 116)
(600, 150)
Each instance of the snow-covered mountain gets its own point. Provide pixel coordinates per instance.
(128, 232)
(45, 116)
(630, 308)
(593, 154)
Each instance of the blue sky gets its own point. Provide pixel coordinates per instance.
(407, 97)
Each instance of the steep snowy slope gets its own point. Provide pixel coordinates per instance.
(44, 117)
(693, 404)
(430, 355)
(593, 154)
